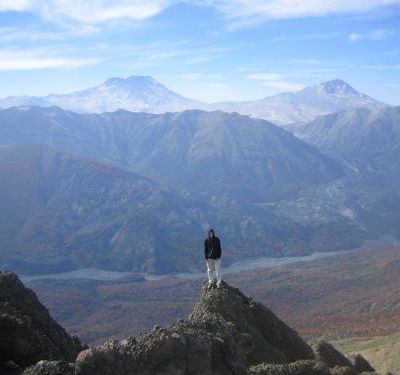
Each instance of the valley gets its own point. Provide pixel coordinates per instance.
(345, 298)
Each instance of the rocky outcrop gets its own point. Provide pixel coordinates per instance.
(267, 337)
(182, 348)
(226, 334)
(28, 333)
(51, 367)
(330, 357)
(302, 367)
(343, 370)
(360, 363)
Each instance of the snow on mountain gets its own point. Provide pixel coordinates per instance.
(135, 93)
(304, 105)
(144, 94)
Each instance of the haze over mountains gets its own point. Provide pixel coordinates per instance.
(135, 191)
(219, 169)
(144, 94)
(367, 138)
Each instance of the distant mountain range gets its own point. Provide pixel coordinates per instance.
(62, 212)
(129, 190)
(204, 152)
(144, 94)
(304, 105)
(137, 191)
(367, 138)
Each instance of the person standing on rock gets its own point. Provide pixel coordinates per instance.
(212, 255)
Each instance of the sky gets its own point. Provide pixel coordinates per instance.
(212, 50)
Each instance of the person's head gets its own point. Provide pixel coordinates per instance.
(211, 233)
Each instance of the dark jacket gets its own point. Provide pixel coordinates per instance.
(212, 248)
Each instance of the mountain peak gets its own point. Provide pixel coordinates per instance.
(334, 87)
(272, 340)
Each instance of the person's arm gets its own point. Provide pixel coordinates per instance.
(219, 250)
(205, 249)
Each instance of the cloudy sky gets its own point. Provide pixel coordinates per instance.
(206, 49)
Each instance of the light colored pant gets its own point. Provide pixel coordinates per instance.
(214, 270)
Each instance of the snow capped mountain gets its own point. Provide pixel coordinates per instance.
(335, 87)
(135, 93)
(144, 94)
(304, 105)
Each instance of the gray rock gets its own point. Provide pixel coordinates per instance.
(361, 364)
(302, 367)
(28, 333)
(264, 337)
(51, 367)
(329, 356)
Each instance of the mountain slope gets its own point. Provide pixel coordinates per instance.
(207, 152)
(135, 93)
(369, 138)
(304, 105)
(221, 167)
(61, 212)
(266, 191)
(28, 333)
(144, 94)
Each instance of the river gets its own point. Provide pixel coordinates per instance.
(244, 265)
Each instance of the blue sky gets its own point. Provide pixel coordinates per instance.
(211, 50)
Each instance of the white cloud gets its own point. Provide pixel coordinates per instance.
(15, 5)
(39, 59)
(294, 9)
(90, 11)
(241, 13)
(374, 35)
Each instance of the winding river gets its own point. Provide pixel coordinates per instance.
(244, 265)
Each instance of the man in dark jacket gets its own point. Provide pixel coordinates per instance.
(212, 255)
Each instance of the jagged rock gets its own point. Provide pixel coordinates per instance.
(343, 370)
(10, 368)
(226, 333)
(268, 339)
(183, 348)
(51, 367)
(303, 367)
(28, 333)
(361, 364)
(329, 356)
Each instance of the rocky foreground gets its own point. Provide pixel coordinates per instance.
(227, 333)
